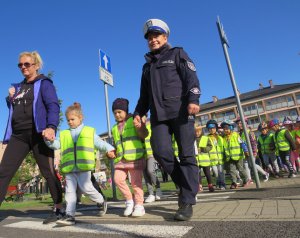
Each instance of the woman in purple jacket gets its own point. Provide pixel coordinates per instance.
(33, 114)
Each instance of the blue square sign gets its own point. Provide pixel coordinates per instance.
(105, 61)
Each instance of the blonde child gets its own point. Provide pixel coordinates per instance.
(77, 145)
(129, 159)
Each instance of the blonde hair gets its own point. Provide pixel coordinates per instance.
(75, 108)
(198, 128)
(37, 59)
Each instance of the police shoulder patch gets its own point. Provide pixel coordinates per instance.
(191, 66)
(195, 90)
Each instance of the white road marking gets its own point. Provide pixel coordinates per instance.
(113, 229)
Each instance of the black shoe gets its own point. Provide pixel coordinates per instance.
(102, 208)
(66, 221)
(54, 216)
(184, 212)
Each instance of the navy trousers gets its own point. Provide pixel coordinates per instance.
(185, 172)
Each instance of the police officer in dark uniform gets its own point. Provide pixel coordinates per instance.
(170, 89)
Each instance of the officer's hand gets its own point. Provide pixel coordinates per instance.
(137, 121)
(193, 109)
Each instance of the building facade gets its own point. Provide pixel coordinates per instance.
(263, 104)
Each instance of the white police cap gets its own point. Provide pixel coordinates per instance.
(156, 25)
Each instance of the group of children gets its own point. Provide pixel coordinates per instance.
(223, 149)
(78, 145)
(277, 147)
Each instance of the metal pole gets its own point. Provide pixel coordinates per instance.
(256, 105)
(110, 141)
(225, 44)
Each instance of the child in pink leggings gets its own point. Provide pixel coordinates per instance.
(130, 158)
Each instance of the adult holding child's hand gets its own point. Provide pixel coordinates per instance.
(33, 116)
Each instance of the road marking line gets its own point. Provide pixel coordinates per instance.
(118, 229)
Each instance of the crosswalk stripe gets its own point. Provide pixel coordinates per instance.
(113, 229)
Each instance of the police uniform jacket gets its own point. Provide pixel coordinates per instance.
(169, 83)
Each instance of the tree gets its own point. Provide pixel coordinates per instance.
(26, 171)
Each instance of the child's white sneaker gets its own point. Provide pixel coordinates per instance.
(139, 211)
(129, 208)
(150, 198)
(158, 194)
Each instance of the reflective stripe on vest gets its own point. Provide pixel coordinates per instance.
(80, 154)
(175, 146)
(265, 143)
(281, 142)
(203, 158)
(216, 153)
(147, 140)
(232, 147)
(129, 146)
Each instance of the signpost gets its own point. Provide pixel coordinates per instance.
(225, 44)
(107, 77)
(105, 69)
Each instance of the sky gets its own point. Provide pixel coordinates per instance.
(263, 35)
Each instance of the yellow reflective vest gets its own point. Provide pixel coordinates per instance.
(147, 140)
(216, 153)
(281, 142)
(232, 147)
(128, 144)
(80, 154)
(265, 142)
(203, 158)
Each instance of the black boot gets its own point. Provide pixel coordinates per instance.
(184, 212)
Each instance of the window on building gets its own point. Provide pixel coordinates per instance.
(280, 115)
(279, 102)
(203, 119)
(221, 116)
(253, 123)
(298, 98)
(252, 109)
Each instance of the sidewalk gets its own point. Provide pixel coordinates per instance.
(276, 200)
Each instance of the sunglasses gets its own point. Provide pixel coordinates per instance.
(26, 65)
